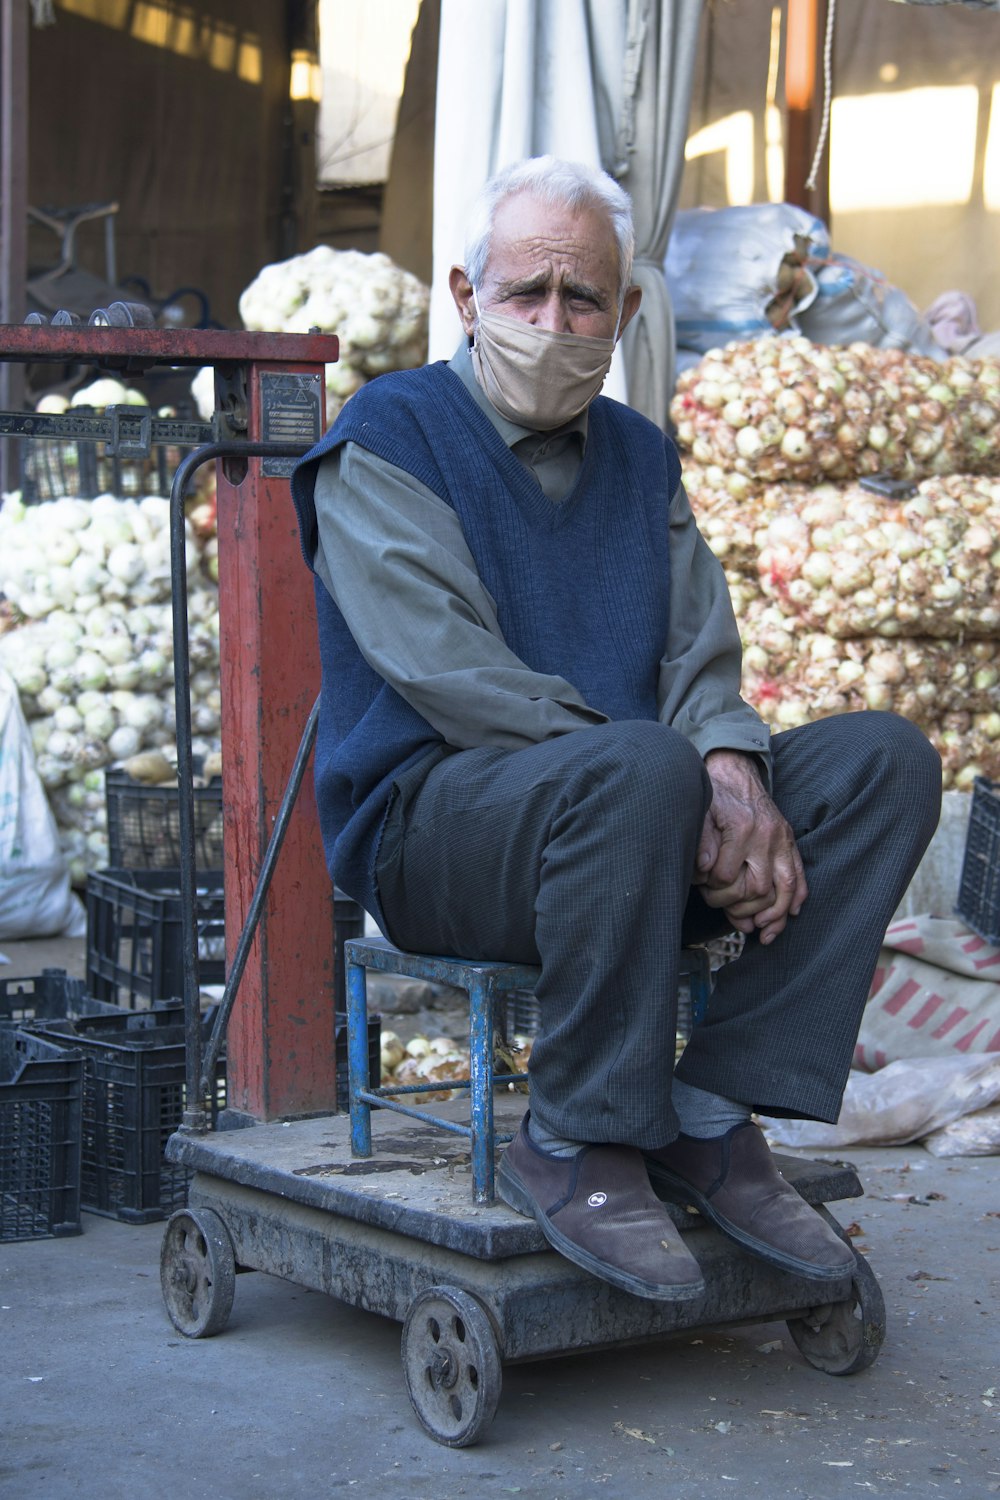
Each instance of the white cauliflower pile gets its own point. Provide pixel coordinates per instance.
(847, 599)
(89, 643)
(378, 311)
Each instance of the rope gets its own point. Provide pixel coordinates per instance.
(831, 13)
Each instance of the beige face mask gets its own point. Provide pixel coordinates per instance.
(533, 376)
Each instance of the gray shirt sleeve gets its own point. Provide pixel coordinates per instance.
(699, 686)
(395, 560)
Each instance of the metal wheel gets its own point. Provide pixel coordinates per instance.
(451, 1361)
(197, 1272)
(844, 1337)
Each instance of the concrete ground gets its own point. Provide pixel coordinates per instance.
(302, 1395)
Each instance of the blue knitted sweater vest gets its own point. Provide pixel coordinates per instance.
(581, 587)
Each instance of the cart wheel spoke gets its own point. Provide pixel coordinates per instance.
(842, 1338)
(451, 1362)
(197, 1272)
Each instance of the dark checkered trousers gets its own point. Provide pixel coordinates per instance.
(577, 854)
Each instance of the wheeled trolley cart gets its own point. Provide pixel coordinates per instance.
(474, 1286)
(398, 1232)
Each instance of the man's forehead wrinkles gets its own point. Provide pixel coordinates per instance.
(558, 246)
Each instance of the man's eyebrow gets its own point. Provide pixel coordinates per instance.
(542, 279)
(534, 283)
(584, 289)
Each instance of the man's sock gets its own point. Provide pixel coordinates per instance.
(547, 1141)
(705, 1115)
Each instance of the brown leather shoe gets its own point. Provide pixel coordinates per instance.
(733, 1180)
(597, 1208)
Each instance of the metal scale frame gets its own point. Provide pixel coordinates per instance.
(399, 1232)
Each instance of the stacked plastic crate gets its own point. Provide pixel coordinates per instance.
(130, 1033)
(41, 1106)
(979, 891)
(89, 1093)
(134, 914)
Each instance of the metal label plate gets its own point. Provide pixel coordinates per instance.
(291, 408)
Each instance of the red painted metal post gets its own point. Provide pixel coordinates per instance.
(281, 1041)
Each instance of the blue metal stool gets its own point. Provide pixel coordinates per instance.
(486, 984)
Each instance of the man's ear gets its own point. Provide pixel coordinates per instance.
(461, 289)
(630, 306)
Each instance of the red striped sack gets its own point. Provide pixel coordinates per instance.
(936, 991)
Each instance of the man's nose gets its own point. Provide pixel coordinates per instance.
(552, 315)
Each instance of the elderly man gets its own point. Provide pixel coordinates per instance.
(532, 747)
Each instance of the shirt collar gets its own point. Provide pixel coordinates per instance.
(511, 432)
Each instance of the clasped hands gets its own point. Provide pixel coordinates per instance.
(747, 863)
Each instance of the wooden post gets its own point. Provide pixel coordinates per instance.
(13, 208)
(804, 89)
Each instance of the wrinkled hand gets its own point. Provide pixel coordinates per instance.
(747, 863)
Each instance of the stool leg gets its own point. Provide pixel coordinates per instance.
(481, 1087)
(357, 1059)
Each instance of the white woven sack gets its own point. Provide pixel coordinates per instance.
(35, 895)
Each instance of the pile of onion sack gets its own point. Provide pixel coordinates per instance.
(883, 594)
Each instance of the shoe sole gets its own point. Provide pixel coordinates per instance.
(676, 1190)
(513, 1192)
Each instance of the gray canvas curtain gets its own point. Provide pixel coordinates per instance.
(607, 82)
(658, 68)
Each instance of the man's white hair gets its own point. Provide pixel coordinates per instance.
(569, 184)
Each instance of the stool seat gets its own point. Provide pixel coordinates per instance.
(487, 984)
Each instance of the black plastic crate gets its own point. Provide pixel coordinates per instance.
(52, 995)
(979, 888)
(374, 1057)
(134, 1097)
(135, 939)
(53, 467)
(41, 1093)
(83, 467)
(144, 824)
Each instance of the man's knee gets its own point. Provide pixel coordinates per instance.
(892, 747)
(909, 751)
(864, 755)
(913, 768)
(648, 763)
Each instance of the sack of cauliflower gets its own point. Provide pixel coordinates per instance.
(377, 310)
(86, 589)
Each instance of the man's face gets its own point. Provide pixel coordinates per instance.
(552, 266)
